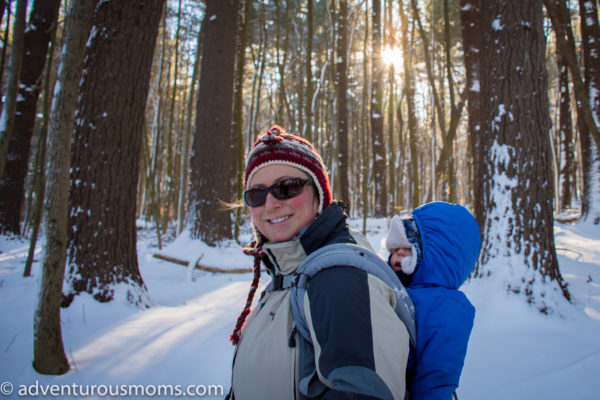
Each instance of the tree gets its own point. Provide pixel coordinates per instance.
(590, 38)
(214, 154)
(43, 16)
(309, 91)
(515, 179)
(376, 111)
(470, 17)
(410, 111)
(48, 350)
(342, 100)
(238, 106)
(171, 179)
(7, 117)
(565, 41)
(565, 132)
(106, 152)
(185, 159)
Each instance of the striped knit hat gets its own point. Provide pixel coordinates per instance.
(278, 147)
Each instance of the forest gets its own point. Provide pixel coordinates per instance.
(119, 111)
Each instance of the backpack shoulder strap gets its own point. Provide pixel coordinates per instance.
(346, 254)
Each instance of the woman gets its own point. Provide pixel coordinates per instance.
(360, 346)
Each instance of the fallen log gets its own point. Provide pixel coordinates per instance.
(567, 219)
(201, 267)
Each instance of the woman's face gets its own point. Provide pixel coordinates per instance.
(281, 220)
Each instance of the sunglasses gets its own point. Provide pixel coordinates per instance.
(282, 190)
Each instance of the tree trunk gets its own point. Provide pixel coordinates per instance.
(5, 44)
(364, 167)
(48, 350)
(7, 117)
(170, 196)
(565, 131)
(410, 110)
(590, 38)
(214, 150)
(561, 23)
(448, 137)
(516, 177)
(185, 159)
(470, 17)
(35, 44)
(376, 111)
(282, 59)
(391, 109)
(38, 185)
(308, 86)
(342, 100)
(239, 110)
(106, 152)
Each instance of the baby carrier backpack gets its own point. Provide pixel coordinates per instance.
(343, 254)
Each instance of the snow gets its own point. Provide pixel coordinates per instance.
(181, 342)
(497, 24)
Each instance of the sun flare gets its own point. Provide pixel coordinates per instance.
(392, 56)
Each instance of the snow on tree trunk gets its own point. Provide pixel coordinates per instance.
(515, 179)
(107, 140)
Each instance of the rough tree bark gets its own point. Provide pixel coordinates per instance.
(516, 179)
(106, 152)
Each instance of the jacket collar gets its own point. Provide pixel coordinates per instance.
(329, 227)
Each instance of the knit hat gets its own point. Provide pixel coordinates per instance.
(279, 147)
(403, 233)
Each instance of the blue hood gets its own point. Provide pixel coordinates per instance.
(450, 240)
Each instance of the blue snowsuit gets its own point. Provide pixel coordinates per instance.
(450, 246)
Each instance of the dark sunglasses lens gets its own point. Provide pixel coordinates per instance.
(283, 190)
(255, 197)
(288, 188)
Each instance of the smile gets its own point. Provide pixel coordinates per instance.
(278, 220)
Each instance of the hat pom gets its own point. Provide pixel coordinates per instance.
(272, 137)
(409, 263)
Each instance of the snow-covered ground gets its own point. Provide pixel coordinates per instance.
(182, 341)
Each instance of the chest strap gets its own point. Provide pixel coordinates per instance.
(284, 282)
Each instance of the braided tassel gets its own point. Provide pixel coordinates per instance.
(234, 338)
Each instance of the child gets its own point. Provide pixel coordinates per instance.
(433, 253)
